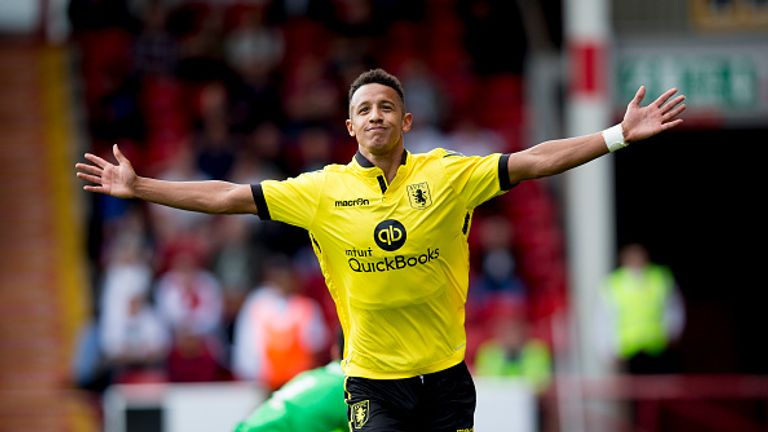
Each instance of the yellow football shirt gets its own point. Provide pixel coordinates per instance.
(394, 256)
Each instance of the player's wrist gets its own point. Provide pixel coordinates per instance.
(138, 187)
(614, 138)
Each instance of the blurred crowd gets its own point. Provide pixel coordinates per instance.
(251, 90)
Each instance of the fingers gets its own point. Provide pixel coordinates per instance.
(671, 124)
(93, 169)
(96, 160)
(639, 95)
(676, 111)
(119, 155)
(89, 177)
(664, 97)
(99, 189)
(673, 104)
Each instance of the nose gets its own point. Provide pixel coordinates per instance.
(375, 115)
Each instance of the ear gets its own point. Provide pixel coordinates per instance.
(350, 129)
(407, 121)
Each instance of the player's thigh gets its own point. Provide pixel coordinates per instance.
(450, 404)
(379, 405)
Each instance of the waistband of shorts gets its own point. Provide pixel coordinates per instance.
(458, 368)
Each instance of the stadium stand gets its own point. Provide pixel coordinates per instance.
(42, 301)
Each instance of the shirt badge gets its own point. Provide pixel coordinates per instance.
(360, 414)
(419, 195)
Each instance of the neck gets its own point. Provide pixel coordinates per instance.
(388, 162)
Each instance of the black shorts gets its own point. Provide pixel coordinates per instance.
(440, 401)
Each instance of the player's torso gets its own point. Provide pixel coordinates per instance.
(390, 241)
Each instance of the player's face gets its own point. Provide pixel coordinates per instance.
(377, 119)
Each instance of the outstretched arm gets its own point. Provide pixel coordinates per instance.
(556, 156)
(202, 196)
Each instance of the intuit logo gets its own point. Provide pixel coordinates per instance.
(352, 203)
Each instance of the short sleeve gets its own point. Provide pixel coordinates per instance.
(477, 178)
(293, 201)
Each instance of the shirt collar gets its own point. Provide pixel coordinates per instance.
(365, 163)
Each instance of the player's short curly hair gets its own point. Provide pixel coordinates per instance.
(377, 76)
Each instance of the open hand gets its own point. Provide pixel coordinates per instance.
(644, 122)
(108, 178)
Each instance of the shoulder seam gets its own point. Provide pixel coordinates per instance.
(450, 183)
(324, 173)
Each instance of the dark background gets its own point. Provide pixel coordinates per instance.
(696, 198)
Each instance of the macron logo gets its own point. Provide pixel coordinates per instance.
(353, 203)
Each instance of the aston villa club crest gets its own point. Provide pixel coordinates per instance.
(360, 414)
(419, 196)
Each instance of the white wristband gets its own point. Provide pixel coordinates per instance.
(614, 138)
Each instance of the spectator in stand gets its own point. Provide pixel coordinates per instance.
(279, 331)
(196, 358)
(315, 146)
(249, 165)
(513, 352)
(311, 93)
(236, 264)
(640, 315)
(423, 94)
(356, 20)
(155, 50)
(212, 103)
(136, 344)
(470, 139)
(133, 337)
(215, 149)
(253, 48)
(200, 29)
(190, 300)
(498, 268)
(189, 296)
(265, 149)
